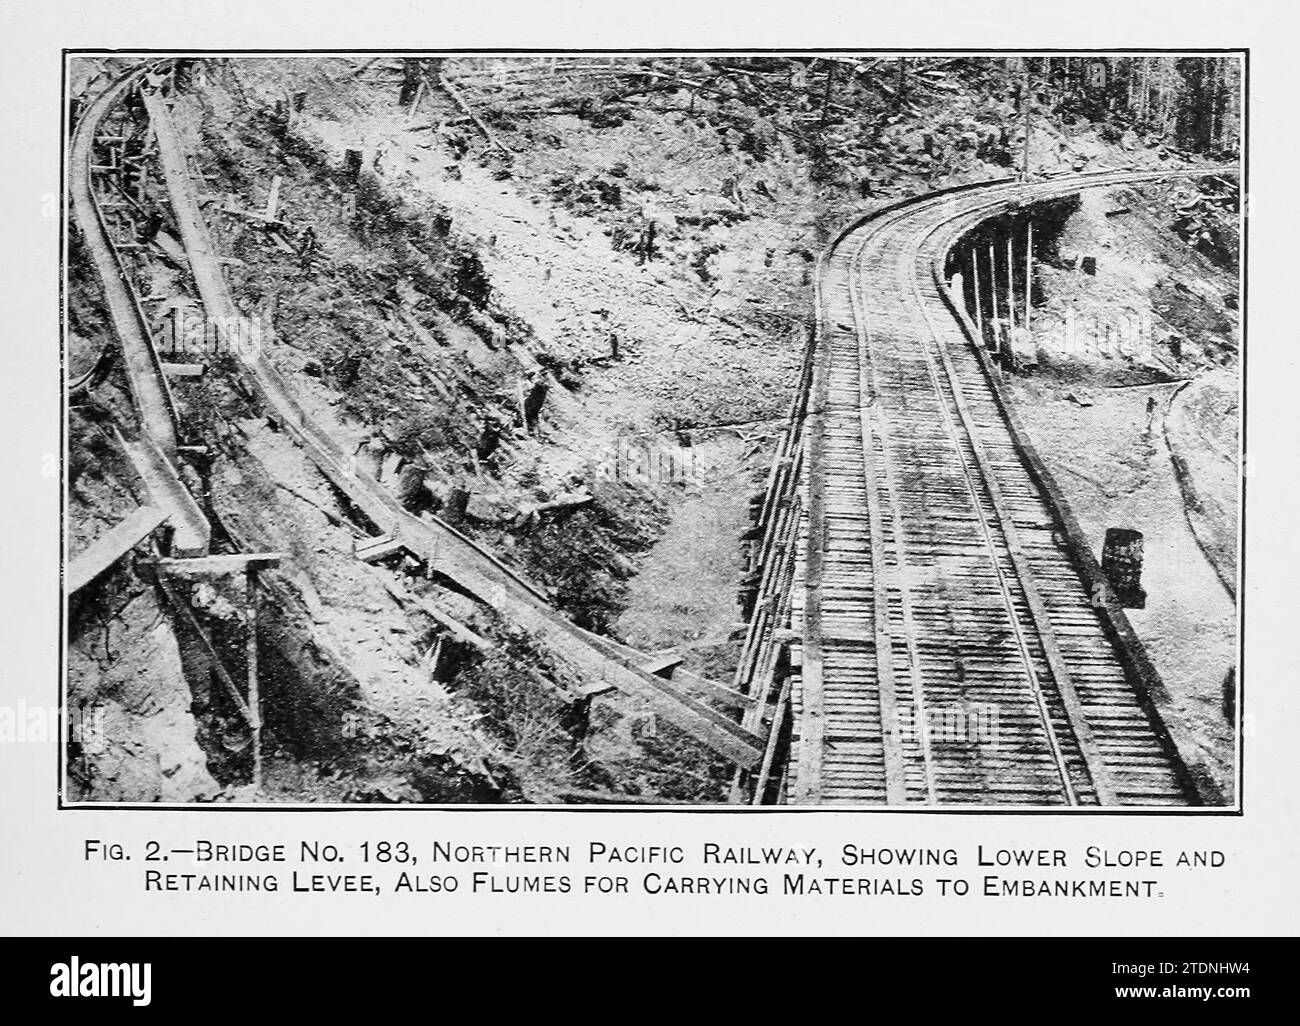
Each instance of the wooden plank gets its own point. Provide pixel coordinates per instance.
(273, 200)
(253, 215)
(812, 718)
(191, 532)
(250, 660)
(714, 691)
(444, 619)
(381, 549)
(685, 682)
(663, 664)
(111, 546)
(201, 566)
(773, 737)
(171, 248)
(185, 370)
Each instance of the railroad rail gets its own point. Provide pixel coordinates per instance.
(929, 605)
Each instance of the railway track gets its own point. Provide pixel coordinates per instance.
(919, 568)
(953, 640)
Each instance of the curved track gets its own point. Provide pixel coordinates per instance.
(952, 650)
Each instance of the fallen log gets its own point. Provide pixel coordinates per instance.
(460, 102)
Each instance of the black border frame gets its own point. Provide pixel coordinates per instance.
(67, 53)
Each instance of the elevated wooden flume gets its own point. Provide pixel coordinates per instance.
(931, 627)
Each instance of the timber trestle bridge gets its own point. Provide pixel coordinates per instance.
(927, 623)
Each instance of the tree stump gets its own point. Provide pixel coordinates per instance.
(352, 165)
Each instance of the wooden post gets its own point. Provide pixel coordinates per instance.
(174, 334)
(826, 96)
(412, 79)
(1009, 353)
(523, 405)
(1144, 96)
(1029, 272)
(1024, 110)
(993, 295)
(254, 696)
(975, 284)
(352, 164)
(435, 657)
(1011, 286)
(415, 102)
(273, 199)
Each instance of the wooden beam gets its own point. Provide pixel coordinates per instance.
(184, 370)
(453, 626)
(712, 690)
(111, 546)
(460, 102)
(1029, 278)
(202, 566)
(254, 695)
(685, 681)
(191, 532)
(380, 548)
(1011, 294)
(273, 200)
(662, 665)
(255, 215)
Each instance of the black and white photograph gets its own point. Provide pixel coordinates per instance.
(747, 429)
